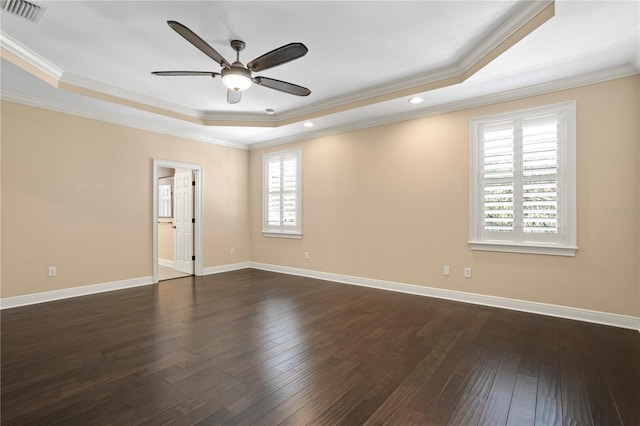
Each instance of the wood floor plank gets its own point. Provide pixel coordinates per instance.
(444, 406)
(278, 406)
(474, 398)
(626, 399)
(496, 408)
(576, 409)
(601, 400)
(522, 408)
(315, 405)
(256, 347)
(406, 391)
(549, 398)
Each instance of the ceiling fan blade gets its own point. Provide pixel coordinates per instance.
(194, 39)
(183, 73)
(279, 56)
(282, 86)
(233, 96)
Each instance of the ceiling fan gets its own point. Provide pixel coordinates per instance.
(236, 76)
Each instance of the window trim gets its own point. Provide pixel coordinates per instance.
(566, 179)
(266, 230)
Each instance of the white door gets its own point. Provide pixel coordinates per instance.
(182, 222)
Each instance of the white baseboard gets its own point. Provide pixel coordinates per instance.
(65, 293)
(225, 268)
(165, 262)
(616, 320)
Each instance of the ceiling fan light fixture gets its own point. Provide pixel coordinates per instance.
(236, 77)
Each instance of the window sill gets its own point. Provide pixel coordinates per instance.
(522, 248)
(292, 235)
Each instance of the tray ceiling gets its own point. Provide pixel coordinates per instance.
(365, 59)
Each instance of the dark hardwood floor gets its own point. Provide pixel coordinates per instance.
(254, 347)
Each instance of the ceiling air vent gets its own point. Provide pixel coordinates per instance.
(24, 9)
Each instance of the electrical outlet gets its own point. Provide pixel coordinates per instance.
(52, 271)
(232, 251)
(445, 270)
(306, 255)
(467, 272)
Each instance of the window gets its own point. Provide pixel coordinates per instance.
(164, 200)
(281, 196)
(523, 181)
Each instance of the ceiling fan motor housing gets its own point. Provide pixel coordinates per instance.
(237, 77)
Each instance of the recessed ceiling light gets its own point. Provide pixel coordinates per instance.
(308, 124)
(269, 111)
(415, 100)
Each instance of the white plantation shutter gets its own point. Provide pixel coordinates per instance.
(540, 175)
(282, 193)
(523, 179)
(498, 177)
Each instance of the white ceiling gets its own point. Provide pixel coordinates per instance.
(356, 50)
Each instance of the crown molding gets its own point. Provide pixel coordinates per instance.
(29, 57)
(522, 22)
(537, 89)
(518, 20)
(31, 62)
(110, 118)
(210, 118)
(82, 83)
(535, 12)
(200, 116)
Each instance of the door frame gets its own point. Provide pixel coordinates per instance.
(197, 211)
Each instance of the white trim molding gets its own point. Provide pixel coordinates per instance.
(293, 235)
(281, 159)
(31, 57)
(198, 236)
(66, 293)
(518, 25)
(496, 234)
(600, 76)
(225, 268)
(523, 248)
(165, 262)
(597, 317)
(116, 118)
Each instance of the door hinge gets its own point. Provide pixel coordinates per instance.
(193, 220)
(193, 258)
(193, 183)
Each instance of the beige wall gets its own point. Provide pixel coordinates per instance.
(165, 241)
(76, 194)
(392, 203)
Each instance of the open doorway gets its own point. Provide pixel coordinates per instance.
(177, 223)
